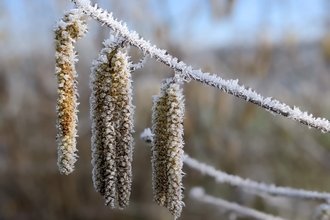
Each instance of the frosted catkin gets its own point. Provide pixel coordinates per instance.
(124, 148)
(67, 31)
(103, 116)
(159, 159)
(167, 147)
(112, 125)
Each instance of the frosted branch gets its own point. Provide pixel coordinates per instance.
(252, 186)
(257, 187)
(229, 86)
(199, 194)
(139, 65)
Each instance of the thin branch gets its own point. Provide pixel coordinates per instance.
(228, 86)
(254, 186)
(139, 65)
(199, 194)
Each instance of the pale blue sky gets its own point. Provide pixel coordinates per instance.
(249, 17)
(303, 17)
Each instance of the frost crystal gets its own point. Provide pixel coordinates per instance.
(147, 135)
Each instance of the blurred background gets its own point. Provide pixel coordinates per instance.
(280, 48)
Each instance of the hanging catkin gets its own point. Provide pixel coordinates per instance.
(167, 147)
(67, 31)
(112, 124)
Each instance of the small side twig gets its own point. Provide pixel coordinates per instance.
(253, 186)
(140, 64)
(199, 194)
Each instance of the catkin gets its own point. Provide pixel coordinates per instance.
(167, 147)
(67, 31)
(112, 125)
(159, 148)
(103, 118)
(125, 127)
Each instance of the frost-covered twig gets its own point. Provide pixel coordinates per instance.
(140, 64)
(322, 212)
(199, 194)
(229, 86)
(254, 186)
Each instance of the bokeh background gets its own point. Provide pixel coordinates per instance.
(280, 48)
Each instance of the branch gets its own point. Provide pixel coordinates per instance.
(253, 186)
(140, 64)
(228, 86)
(256, 187)
(199, 194)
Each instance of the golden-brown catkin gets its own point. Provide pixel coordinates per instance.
(112, 124)
(167, 147)
(67, 31)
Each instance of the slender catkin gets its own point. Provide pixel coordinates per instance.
(112, 124)
(67, 31)
(159, 148)
(124, 147)
(175, 145)
(103, 118)
(167, 147)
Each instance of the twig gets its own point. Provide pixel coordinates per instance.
(256, 187)
(199, 194)
(253, 186)
(228, 86)
(140, 64)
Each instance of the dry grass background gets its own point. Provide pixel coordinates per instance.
(230, 134)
